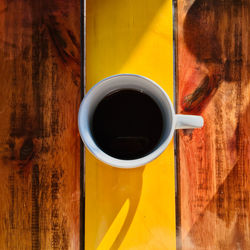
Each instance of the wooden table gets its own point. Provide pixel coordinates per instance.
(213, 56)
(41, 156)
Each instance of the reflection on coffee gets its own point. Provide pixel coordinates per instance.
(127, 124)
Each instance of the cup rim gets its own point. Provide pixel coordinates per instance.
(112, 161)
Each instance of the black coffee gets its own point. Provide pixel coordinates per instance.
(127, 124)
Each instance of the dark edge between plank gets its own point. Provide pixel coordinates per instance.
(82, 193)
(176, 137)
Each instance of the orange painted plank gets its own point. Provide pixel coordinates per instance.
(213, 80)
(39, 140)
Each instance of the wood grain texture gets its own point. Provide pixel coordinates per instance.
(213, 80)
(39, 141)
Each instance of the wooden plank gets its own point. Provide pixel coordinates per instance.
(130, 209)
(39, 140)
(213, 80)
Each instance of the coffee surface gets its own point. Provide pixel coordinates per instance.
(127, 124)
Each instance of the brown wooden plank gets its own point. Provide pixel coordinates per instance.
(213, 80)
(39, 141)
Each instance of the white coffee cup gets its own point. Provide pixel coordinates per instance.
(171, 121)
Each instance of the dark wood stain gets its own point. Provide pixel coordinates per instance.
(194, 101)
(39, 51)
(54, 101)
(35, 228)
(59, 43)
(54, 185)
(213, 34)
(55, 243)
(12, 195)
(73, 38)
(26, 149)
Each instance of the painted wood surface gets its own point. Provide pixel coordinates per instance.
(39, 140)
(130, 209)
(213, 56)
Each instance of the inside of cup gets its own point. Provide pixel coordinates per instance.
(144, 86)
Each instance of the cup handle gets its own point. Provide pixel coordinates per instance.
(188, 121)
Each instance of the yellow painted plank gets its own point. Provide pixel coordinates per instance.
(130, 209)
